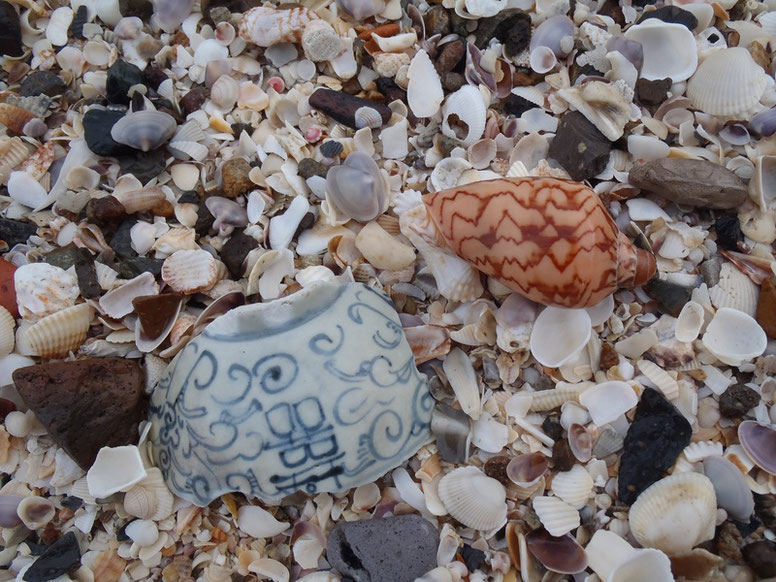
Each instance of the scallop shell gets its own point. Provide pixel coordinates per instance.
(728, 83)
(265, 26)
(464, 115)
(150, 498)
(7, 325)
(60, 333)
(225, 92)
(675, 514)
(734, 337)
(660, 378)
(574, 487)
(190, 271)
(474, 499)
(144, 130)
(698, 451)
(608, 401)
(734, 290)
(669, 50)
(559, 334)
(424, 92)
(557, 516)
(367, 117)
(602, 104)
(496, 226)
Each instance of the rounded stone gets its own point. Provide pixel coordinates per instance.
(42, 83)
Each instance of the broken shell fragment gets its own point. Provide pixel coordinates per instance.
(689, 322)
(669, 49)
(603, 104)
(144, 130)
(382, 250)
(58, 334)
(464, 115)
(608, 401)
(574, 486)
(190, 271)
(557, 516)
(474, 499)
(424, 91)
(115, 469)
(558, 335)
(357, 187)
(734, 337)
(35, 512)
(759, 442)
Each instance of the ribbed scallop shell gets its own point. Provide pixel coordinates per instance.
(225, 92)
(7, 337)
(675, 514)
(150, 498)
(14, 118)
(702, 449)
(660, 378)
(267, 26)
(574, 486)
(473, 498)
(557, 516)
(734, 290)
(548, 399)
(466, 105)
(144, 200)
(728, 83)
(190, 271)
(60, 333)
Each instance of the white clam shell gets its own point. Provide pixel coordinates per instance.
(115, 469)
(225, 92)
(574, 487)
(559, 334)
(424, 92)
(557, 516)
(142, 531)
(43, 289)
(648, 565)
(258, 522)
(606, 402)
(459, 370)
(7, 338)
(357, 187)
(60, 333)
(118, 302)
(144, 130)
(473, 498)
(190, 271)
(382, 250)
(26, 190)
(59, 22)
(728, 83)
(690, 322)
(464, 115)
(669, 49)
(734, 337)
(675, 514)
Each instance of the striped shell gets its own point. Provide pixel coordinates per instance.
(60, 333)
(557, 516)
(550, 240)
(150, 498)
(14, 117)
(556, 397)
(7, 337)
(190, 271)
(660, 378)
(151, 199)
(574, 486)
(265, 26)
(473, 498)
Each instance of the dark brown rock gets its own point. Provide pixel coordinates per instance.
(652, 92)
(562, 457)
(86, 273)
(235, 250)
(609, 357)
(496, 467)
(760, 556)
(449, 56)
(690, 182)
(234, 177)
(193, 100)
(437, 21)
(105, 210)
(552, 428)
(729, 541)
(86, 404)
(766, 308)
(309, 167)
(737, 400)
(579, 147)
(342, 107)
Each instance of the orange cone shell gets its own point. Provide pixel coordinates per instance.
(550, 240)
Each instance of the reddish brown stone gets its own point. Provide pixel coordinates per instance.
(766, 308)
(7, 288)
(86, 404)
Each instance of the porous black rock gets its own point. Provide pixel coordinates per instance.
(579, 147)
(14, 232)
(235, 250)
(55, 560)
(760, 556)
(729, 234)
(86, 273)
(654, 440)
(309, 167)
(391, 549)
(144, 165)
(143, 9)
(11, 35)
(514, 32)
(81, 17)
(737, 400)
(671, 14)
(131, 267)
(516, 105)
(42, 83)
(472, 557)
(97, 126)
(121, 76)
(652, 92)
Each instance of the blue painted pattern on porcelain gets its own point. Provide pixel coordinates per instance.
(314, 392)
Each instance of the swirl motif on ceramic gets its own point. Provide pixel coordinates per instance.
(314, 392)
(550, 240)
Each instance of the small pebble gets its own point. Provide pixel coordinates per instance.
(234, 178)
(579, 147)
(562, 456)
(766, 308)
(8, 287)
(55, 560)
(760, 556)
(609, 357)
(193, 100)
(42, 83)
(87, 275)
(516, 105)
(309, 167)
(105, 210)
(131, 267)
(121, 77)
(737, 400)
(496, 467)
(11, 38)
(729, 235)
(97, 127)
(80, 18)
(235, 250)
(121, 242)
(472, 557)
(343, 107)
(552, 427)
(14, 232)
(145, 166)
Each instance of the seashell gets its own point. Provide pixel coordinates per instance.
(43, 289)
(734, 290)
(602, 104)
(464, 115)
(660, 378)
(555, 33)
(762, 186)
(8, 509)
(424, 92)
(59, 22)
(474, 499)
(643, 566)
(557, 516)
(14, 117)
(675, 514)
(144, 130)
(226, 212)
(169, 14)
(669, 49)
(559, 554)
(360, 10)
(225, 92)
(151, 199)
(730, 486)
(190, 271)
(320, 42)
(367, 117)
(142, 531)
(764, 123)
(357, 187)
(459, 371)
(115, 469)
(728, 83)
(118, 302)
(265, 26)
(574, 486)
(565, 273)
(382, 250)
(58, 334)
(185, 176)
(734, 337)
(26, 190)
(526, 470)
(542, 59)
(554, 398)
(149, 498)
(608, 401)
(35, 512)
(481, 153)
(259, 523)
(558, 335)
(156, 316)
(609, 442)
(690, 322)
(97, 53)
(759, 442)
(427, 342)
(580, 443)
(7, 324)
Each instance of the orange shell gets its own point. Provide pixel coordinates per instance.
(550, 240)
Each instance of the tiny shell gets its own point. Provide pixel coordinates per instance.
(225, 92)
(382, 250)
(144, 130)
(669, 49)
(580, 442)
(660, 378)
(602, 104)
(759, 442)
(557, 516)
(689, 322)
(608, 401)
(58, 334)
(424, 92)
(59, 21)
(190, 271)
(258, 522)
(14, 118)
(460, 374)
(266, 26)
(474, 499)
(526, 470)
(464, 115)
(734, 337)
(151, 199)
(675, 514)
(559, 334)
(35, 512)
(574, 486)
(115, 469)
(149, 498)
(26, 190)
(427, 341)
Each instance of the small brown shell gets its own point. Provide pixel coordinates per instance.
(151, 199)
(108, 566)
(14, 118)
(58, 334)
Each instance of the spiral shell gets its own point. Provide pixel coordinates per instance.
(265, 26)
(550, 240)
(59, 333)
(14, 118)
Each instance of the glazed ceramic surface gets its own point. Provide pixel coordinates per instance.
(550, 240)
(314, 392)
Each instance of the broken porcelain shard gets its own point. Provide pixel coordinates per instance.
(270, 400)
(550, 240)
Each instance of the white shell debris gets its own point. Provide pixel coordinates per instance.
(258, 522)
(460, 374)
(424, 91)
(734, 337)
(115, 469)
(559, 334)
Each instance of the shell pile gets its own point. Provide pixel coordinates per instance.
(572, 206)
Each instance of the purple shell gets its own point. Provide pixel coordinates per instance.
(8, 515)
(551, 33)
(226, 212)
(735, 134)
(563, 554)
(525, 470)
(630, 49)
(580, 442)
(759, 442)
(764, 123)
(170, 14)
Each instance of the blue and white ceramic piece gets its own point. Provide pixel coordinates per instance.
(314, 392)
